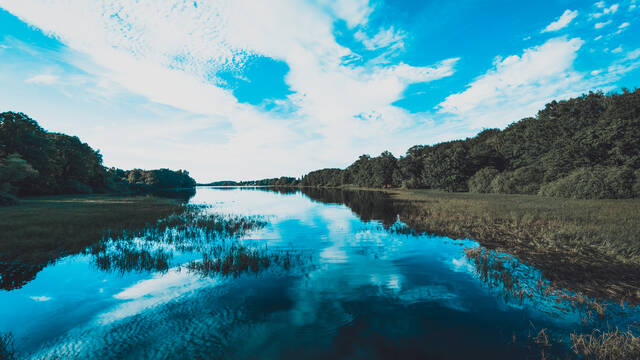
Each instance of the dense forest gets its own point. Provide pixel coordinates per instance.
(34, 161)
(587, 147)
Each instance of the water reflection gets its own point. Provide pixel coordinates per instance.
(287, 274)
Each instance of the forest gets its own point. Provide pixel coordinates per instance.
(586, 147)
(34, 161)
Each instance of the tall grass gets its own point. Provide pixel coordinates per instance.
(607, 345)
(591, 246)
(7, 348)
(38, 231)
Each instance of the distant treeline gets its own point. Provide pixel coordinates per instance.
(587, 147)
(34, 161)
(281, 181)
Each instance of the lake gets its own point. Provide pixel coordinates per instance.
(293, 274)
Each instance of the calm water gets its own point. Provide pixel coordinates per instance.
(343, 281)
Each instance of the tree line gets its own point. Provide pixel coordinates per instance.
(585, 147)
(34, 161)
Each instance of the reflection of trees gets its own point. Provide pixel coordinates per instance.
(368, 205)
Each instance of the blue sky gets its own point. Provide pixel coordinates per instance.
(243, 89)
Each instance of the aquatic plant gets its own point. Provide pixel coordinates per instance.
(238, 259)
(607, 345)
(7, 348)
(151, 248)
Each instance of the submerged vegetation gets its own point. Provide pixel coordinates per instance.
(34, 161)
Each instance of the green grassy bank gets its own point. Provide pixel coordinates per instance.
(40, 230)
(591, 246)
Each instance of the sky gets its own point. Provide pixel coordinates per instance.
(250, 89)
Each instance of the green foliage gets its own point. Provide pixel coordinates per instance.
(323, 177)
(593, 130)
(377, 172)
(281, 181)
(525, 180)
(481, 181)
(14, 169)
(36, 162)
(593, 183)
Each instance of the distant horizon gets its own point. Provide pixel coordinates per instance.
(238, 90)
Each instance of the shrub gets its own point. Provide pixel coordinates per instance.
(614, 182)
(525, 180)
(480, 182)
(636, 184)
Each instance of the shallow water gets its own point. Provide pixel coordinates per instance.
(343, 281)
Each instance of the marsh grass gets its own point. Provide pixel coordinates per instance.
(589, 246)
(238, 259)
(151, 248)
(501, 271)
(38, 231)
(607, 345)
(7, 347)
(517, 281)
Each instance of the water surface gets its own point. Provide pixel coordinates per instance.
(337, 276)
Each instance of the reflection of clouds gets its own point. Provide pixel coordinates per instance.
(334, 254)
(149, 293)
(461, 264)
(247, 202)
(39, 298)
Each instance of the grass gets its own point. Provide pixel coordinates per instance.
(38, 231)
(610, 345)
(588, 246)
(7, 349)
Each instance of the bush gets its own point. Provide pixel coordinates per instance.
(525, 180)
(636, 184)
(600, 182)
(480, 182)
(75, 187)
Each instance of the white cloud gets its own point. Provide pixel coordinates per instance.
(353, 12)
(168, 51)
(519, 85)
(384, 38)
(624, 25)
(562, 22)
(597, 38)
(617, 50)
(43, 79)
(605, 10)
(600, 25)
(40, 298)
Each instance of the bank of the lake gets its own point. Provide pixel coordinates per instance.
(40, 230)
(590, 246)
